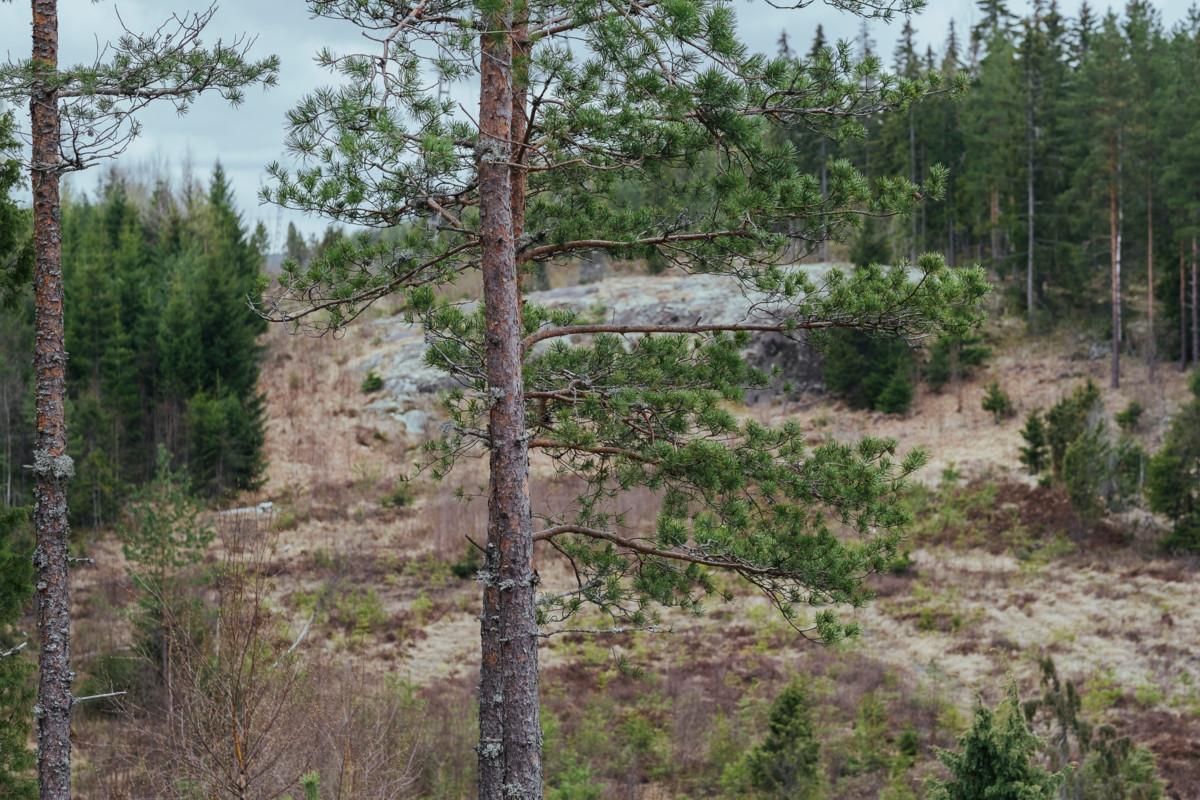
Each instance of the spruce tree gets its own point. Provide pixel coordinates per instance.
(786, 764)
(527, 180)
(997, 759)
(1173, 479)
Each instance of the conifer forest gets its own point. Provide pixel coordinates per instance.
(589, 399)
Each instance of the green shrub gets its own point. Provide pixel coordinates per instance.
(1067, 420)
(1130, 420)
(966, 353)
(998, 403)
(1087, 470)
(1171, 480)
(467, 566)
(869, 371)
(1109, 767)
(401, 495)
(373, 382)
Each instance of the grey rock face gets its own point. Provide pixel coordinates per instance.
(410, 384)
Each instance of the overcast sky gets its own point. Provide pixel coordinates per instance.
(245, 139)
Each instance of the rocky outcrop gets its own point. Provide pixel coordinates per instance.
(409, 383)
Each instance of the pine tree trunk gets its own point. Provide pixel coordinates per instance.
(52, 466)
(1114, 242)
(1195, 305)
(1183, 345)
(994, 217)
(1029, 195)
(509, 726)
(912, 175)
(1152, 342)
(824, 195)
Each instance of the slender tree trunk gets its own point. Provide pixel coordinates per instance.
(52, 466)
(824, 194)
(1183, 344)
(509, 726)
(1029, 196)
(1114, 241)
(912, 175)
(1152, 341)
(8, 449)
(520, 118)
(994, 217)
(1195, 304)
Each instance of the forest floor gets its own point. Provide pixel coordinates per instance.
(1002, 575)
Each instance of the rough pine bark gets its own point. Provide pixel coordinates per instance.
(52, 466)
(509, 725)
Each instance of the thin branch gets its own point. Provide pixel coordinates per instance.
(13, 651)
(718, 327)
(77, 700)
(675, 555)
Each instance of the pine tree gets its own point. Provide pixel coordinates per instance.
(628, 112)
(1106, 88)
(295, 247)
(79, 116)
(994, 132)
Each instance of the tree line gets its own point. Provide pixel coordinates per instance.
(1070, 164)
(163, 344)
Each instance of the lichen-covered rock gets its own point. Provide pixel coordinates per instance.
(409, 383)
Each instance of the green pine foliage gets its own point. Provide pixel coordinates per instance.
(162, 535)
(655, 145)
(954, 356)
(869, 371)
(997, 759)
(1173, 475)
